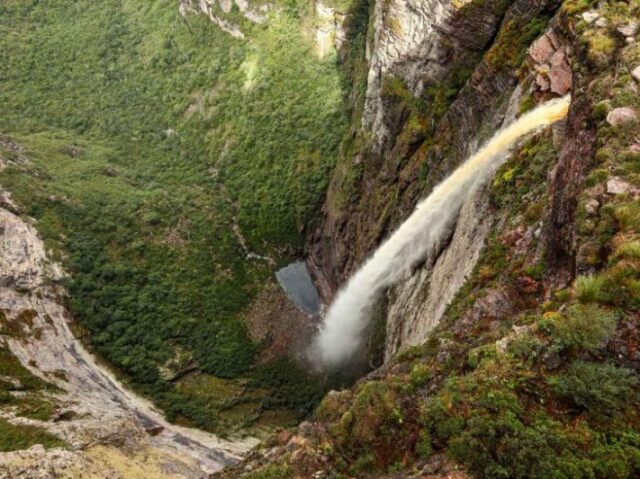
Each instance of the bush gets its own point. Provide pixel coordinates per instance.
(591, 289)
(420, 374)
(586, 327)
(601, 388)
(17, 437)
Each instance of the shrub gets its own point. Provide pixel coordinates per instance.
(591, 289)
(630, 250)
(601, 48)
(628, 216)
(16, 437)
(602, 388)
(420, 374)
(423, 445)
(587, 327)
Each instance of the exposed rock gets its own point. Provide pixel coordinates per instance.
(590, 16)
(622, 115)
(601, 22)
(629, 30)
(552, 360)
(527, 285)
(635, 73)
(541, 50)
(591, 207)
(551, 58)
(495, 304)
(418, 304)
(208, 8)
(566, 182)
(329, 29)
(618, 186)
(560, 75)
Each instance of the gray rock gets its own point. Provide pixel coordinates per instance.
(552, 361)
(629, 30)
(619, 116)
(590, 16)
(617, 186)
(635, 73)
(591, 207)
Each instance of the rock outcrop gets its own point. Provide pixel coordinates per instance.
(111, 431)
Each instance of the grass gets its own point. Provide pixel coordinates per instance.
(16, 437)
(149, 135)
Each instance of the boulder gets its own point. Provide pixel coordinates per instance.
(635, 73)
(560, 75)
(542, 49)
(617, 186)
(629, 30)
(591, 207)
(590, 16)
(619, 116)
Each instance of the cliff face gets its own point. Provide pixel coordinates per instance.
(416, 131)
(500, 347)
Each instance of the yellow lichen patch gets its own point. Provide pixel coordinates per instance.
(458, 4)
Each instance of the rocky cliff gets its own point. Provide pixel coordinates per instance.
(512, 351)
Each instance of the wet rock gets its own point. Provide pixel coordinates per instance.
(622, 115)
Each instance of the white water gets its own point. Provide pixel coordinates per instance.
(344, 325)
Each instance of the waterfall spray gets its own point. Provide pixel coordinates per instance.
(345, 323)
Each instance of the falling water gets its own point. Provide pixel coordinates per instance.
(346, 321)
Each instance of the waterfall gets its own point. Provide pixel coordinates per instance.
(345, 323)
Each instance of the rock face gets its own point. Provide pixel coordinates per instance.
(416, 306)
(215, 10)
(551, 58)
(394, 162)
(419, 41)
(112, 432)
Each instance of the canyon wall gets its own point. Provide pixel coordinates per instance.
(411, 140)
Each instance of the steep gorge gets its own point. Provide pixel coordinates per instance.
(193, 150)
(483, 349)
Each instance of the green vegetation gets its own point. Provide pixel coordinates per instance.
(602, 388)
(26, 395)
(149, 137)
(16, 437)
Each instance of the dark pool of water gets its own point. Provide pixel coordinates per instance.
(296, 281)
